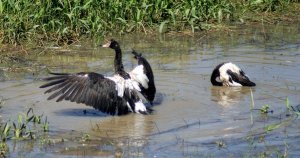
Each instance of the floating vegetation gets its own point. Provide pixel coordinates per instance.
(221, 144)
(265, 109)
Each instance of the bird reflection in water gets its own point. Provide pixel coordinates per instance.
(227, 96)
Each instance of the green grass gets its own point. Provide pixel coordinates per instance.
(64, 22)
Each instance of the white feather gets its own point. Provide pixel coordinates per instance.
(129, 107)
(138, 75)
(224, 77)
(234, 84)
(122, 84)
(132, 85)
(140, 107)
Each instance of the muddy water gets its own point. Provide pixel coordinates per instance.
(191, 117)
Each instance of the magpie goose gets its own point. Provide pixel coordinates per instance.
(115, 95)
(229, 74)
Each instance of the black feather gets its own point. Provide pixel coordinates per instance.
(52, 83)
(56, 87)
(95, 90)
(148, 93)
(215, 74)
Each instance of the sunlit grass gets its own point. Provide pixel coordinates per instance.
(64, 22)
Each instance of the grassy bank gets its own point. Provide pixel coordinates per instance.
(25, 21)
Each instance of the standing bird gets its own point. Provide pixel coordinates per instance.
(228, 74)
(116, 95)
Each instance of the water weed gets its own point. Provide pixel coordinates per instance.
(27, 126)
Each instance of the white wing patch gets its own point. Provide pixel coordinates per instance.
(139, 107)
(138, 75)
(224, 77)
(122, 84)
(234, 84)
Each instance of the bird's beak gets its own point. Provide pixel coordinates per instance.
(105, 45)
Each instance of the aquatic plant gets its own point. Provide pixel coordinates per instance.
(66, 21)
(291, 109)
(85, 137)
(264, 109)
(221, 144)
(23, 128)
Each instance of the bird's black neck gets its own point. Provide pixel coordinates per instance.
(118, 60)
(119, 68)
(213, 77)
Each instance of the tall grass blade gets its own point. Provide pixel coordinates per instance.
(161, 26)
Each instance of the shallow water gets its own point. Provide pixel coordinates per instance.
(191, 117)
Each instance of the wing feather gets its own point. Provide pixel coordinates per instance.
(143, 74)
(53, 83)
(91, 89)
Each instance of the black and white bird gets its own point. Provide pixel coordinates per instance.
(228, 74)
(116, 95)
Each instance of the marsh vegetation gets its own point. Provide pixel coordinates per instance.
(66, 22)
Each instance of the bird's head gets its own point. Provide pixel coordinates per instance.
(111, 44)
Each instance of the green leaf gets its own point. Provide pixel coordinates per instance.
(272, 127)
(138, 15)
(161, 26)
(287, 103)
(65, 30)
(1, 7)
(6, 129)
(122, 20)
(69, 16)
(86, 5)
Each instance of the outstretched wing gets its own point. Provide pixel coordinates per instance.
(144, 76)
(91, 89)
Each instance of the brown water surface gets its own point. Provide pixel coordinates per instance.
(191, 117)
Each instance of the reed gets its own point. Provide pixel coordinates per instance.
(65, 21)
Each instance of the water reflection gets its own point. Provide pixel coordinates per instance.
(132, 125)
(128, 133)
(227, 96)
